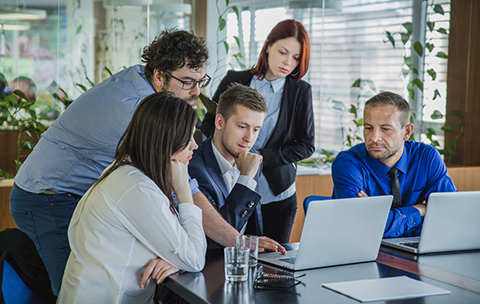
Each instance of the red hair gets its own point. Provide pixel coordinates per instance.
(285, 29)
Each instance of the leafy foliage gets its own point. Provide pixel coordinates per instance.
(18, 113)
(223, 9)
(365, 89)
(458, 128)
(416, 81)
(417, 49)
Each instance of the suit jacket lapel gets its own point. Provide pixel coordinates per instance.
(212, 167)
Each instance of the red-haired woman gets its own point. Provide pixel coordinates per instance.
(288, 133)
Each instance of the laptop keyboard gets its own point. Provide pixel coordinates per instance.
(411, 244)
(288, 260)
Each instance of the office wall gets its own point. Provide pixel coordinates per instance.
(464, 78)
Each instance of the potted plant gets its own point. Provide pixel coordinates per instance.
(20, 129)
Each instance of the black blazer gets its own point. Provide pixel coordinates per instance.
(293, 138)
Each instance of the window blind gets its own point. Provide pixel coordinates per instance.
(346, 45)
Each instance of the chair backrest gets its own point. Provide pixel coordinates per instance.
(310, 198)
(25, 260)
(14, 290)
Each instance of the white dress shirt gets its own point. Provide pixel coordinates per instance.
(231, 175)
(117, 229)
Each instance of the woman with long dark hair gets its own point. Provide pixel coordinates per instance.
(288, 132)
(140, 212)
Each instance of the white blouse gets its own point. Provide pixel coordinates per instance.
(117, 229)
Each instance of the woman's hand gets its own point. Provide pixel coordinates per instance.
(180, 182)
(158, 270)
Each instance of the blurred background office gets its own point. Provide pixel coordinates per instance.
(359, 47)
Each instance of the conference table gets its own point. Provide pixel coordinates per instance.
(455, 272)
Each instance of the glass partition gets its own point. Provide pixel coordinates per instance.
(51, 51)
(66, 46)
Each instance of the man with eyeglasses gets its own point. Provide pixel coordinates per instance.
(191, 84)
(81, 143)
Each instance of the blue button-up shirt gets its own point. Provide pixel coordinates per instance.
(421, 172)
(81, 143)
(272, 92)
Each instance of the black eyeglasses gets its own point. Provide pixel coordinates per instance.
(190, 84)
(265, 280)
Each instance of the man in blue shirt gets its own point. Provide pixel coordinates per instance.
(364, 169)
(80, 144)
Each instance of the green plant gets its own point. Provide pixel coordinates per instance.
(415, 51)
(329, 157)
(418, 48)
(365, 89)
(223, 49)
(18, 113)
(450, 148)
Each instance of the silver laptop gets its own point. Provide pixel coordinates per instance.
(451, 223)
(336, 232)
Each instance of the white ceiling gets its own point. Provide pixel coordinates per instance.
(31, 3)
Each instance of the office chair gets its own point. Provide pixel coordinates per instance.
(14, 290)
(310, 198)
(18, 250)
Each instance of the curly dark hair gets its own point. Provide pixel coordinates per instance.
(172, 49)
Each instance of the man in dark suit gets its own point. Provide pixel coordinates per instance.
(223, 165)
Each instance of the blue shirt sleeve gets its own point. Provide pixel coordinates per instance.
(403, 221)
(425, 173)
(347, 177)
(193, 185)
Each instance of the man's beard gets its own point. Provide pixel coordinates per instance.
(191, 98)
(387, 154)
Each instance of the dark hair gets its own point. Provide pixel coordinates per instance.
(25, 79)
(2, 78)
(3, 84)
(242, 95)
(172, 49)
(392, 99)
(161, 125)
(30, 88)
(286, 29)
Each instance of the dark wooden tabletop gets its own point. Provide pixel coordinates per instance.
(209, 286)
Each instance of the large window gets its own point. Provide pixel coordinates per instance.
(349, 42)
(70, 45)
(54, 50)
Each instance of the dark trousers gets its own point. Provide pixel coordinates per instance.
(45, 218)
(278, 219)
